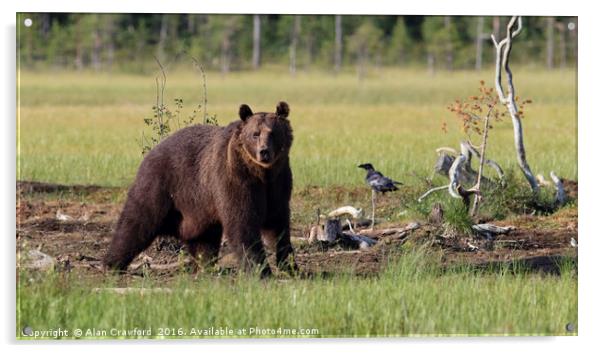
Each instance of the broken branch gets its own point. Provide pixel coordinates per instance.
(438, 188)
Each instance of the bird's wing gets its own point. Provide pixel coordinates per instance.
(387, 184)
(387, 181)
(379, 182)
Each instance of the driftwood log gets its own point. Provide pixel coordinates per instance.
(346, 210)
(332, 234)
(447, 156)
(353, 217)
(457, 167)
(394, 233)
(490, 231)
(560, 194)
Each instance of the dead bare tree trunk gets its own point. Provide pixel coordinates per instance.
(502, 58)
(338, 42)
(256, 41)
(550, 42)
(455, 187)
(293, 47)
(479, 43)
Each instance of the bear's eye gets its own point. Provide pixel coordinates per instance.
(256, 134)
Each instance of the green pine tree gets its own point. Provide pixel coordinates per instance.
(365, 44)
(398, 52)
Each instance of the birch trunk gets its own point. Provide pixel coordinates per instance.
(561, 27)
(256, 41)
(479, 44)
(96, 49)
(79, 63)
(550, 42)
(162, 38)
(338, 43)
(449, 52)
(294, 42)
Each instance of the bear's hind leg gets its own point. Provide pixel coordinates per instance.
(138, 225)
(128, 241)
(205, 247)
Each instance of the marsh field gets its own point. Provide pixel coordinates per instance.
(79, 146)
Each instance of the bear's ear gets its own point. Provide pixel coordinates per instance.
(282, 109)
(244, 112)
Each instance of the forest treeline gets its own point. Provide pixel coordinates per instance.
(129, 42)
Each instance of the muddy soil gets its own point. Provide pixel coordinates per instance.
(76, 232)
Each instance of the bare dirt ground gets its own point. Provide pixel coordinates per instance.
(76, 233)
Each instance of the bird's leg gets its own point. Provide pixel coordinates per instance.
(373, 207)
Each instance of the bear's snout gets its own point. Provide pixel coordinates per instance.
(264, 155)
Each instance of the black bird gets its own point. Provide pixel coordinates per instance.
(378, 183)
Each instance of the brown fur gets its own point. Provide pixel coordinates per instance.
(204, 183)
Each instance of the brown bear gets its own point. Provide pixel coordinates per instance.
(207, 182)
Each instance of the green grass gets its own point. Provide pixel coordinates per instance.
(411, 297)
(84, 128)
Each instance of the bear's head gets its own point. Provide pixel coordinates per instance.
(265, 137)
